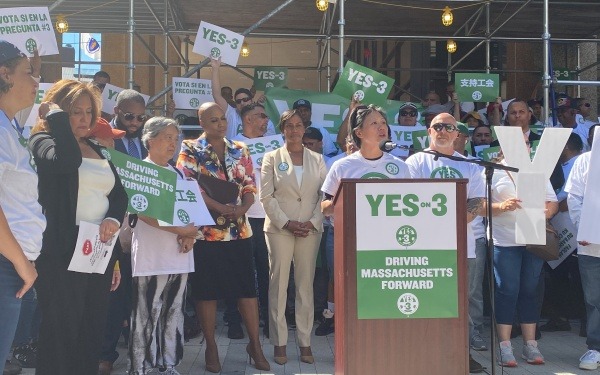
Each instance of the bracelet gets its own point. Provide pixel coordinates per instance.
(286, 224)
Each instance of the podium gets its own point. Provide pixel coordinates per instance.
(401, 277)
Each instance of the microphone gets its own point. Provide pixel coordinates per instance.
(387, 146)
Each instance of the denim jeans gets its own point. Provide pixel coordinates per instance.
(10, 306)
(29, 319)
(476, 282)
(589, 268)
(517, 274)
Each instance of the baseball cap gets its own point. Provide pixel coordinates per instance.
(435, 109)
(8, 51)
(565, 101)
(103, 129)
(301, 103)
(462, 128)
(408, 105)
(313, 133)
(473, 114)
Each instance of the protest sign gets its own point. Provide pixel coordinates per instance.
(479, 150)
(403, 137)
(190, 93)
(420, 139)
(567, 237)
(109, 97)
(34, 114)
(258, 147)
(28, 29)
(150, 187)
(477, 87)
(189, 206)
(266, 77)
(364, 84)
(214, 41)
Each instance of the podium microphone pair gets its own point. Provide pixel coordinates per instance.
(387, 146)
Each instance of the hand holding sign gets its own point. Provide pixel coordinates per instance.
(363, 84)
(214, 41)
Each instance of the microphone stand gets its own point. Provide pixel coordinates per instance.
(489, 172)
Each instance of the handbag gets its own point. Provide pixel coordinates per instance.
(550, 250)
(222, 191)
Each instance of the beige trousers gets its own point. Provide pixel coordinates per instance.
(303, 251)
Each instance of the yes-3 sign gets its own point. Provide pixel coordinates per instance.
(260, 146)
(214, 41)
(266, 77)
(364, 84)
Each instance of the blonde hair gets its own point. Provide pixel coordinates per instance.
(65, 93)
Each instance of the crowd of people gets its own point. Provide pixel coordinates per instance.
(271, 235)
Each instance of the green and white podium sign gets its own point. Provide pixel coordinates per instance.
(406, 242)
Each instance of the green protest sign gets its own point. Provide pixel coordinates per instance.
(490, 153)
(405, 272)
(477, 87)
(562, 73)
(364, 84)
(150, 187)
(266, 77)
(420, 139)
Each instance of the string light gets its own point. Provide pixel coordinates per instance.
(322, 5)
(451, 46)
(447, 17)
(62, 26)
(245, 52)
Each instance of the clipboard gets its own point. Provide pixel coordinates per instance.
(222, 191)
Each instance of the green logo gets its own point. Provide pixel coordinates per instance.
(139, 202)
(477, 95)
(392, 168)
(30, 45)
(194, 102)
(359, 95)
(259, 161)
(215, 52)
(183, 216)
(283, 166)
(445, 172)
(406, 235)
(408, 304)
(374, 176)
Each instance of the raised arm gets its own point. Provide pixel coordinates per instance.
(215, 82)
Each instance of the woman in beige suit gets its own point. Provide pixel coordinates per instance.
(291, 179)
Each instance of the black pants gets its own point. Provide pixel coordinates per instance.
(74, 307)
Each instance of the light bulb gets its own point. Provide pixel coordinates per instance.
(447, 17)
(322, 5)
(451, 46)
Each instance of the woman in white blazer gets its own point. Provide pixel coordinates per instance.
(291, 179)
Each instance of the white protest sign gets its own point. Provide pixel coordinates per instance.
(109, 97)
(34, 114)
(588, 222)
(258, 147)
(28, 29)
(189, 206)
(91, 255)
(402, 136)
(190, 93)
(567, 237)
(214, 41)
(532, 177)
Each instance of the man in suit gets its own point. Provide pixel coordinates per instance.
(130, 117)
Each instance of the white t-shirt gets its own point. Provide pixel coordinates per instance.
(256, 210)
(503, 225)
(422, 165)
(329, 161)
(19, 190)
(575, 186)
(156, 252)
(356, 166)
(234, 124)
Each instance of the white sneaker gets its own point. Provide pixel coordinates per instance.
(507, 358)
(532, 354)
(590, 360)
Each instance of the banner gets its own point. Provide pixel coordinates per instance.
(189, 206)
(364, 84)
(28, 29)
(489, 153)
(477, 87)
(214, 41)
(190, 93)
(150, 187)
(404, 271)
(258, 147)
(266, 77)
(109, 97)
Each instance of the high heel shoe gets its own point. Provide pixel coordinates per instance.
(279, 355)
(306, 355)
(256, 355)
(211, 360)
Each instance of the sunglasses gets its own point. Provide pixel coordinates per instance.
(411, 114)
(130, 116)
(439, 126)
(242, 100)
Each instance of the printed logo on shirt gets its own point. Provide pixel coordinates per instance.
(392, 168)
(445, 172)
(374, 176)
(283, 166)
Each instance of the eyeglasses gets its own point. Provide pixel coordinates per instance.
(243, 100)
(411, 114)
(128, 116)
(439, 126)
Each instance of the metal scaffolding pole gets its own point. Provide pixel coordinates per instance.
(166, 46)
(546, 39)
(207, 60)
(341, 23)
(131, 23)
(487, 44)
(578, 83)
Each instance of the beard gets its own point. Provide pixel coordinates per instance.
(136, 134)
